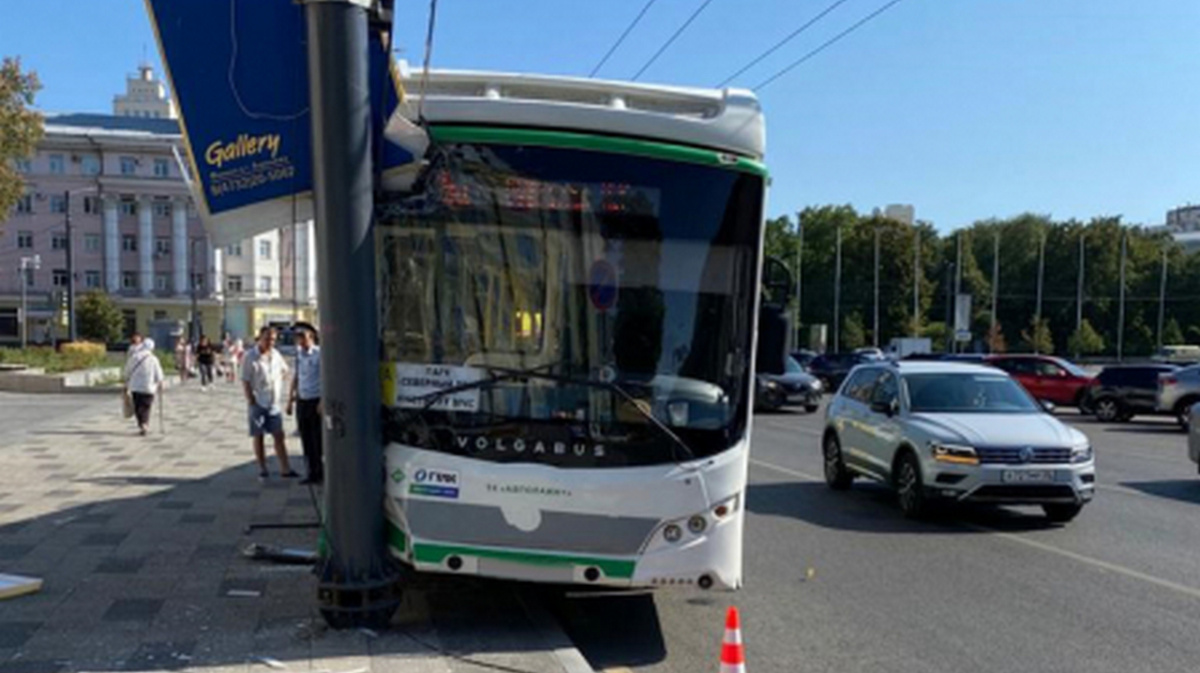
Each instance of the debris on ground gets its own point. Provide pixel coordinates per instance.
(12, 586)
(266, 552)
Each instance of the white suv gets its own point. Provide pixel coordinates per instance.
(953, 431)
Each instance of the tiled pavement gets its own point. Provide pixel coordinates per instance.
(138, 540)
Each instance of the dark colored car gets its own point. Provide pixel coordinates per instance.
(832, 368)
(804, 357)
(1047, 378)
(793, 387)
(1123, 391)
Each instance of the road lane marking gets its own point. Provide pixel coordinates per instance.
(1042, 546)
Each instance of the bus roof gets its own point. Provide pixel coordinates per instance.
(728, 120)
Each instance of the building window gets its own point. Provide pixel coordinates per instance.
(161, 168)
(90, 165)
(24, 239)
(129, 243)
(162, 208)
(129, 207)
(30, 277)
(91, 242)
(197, 281)
(58, 242)
(25, 204)
(91, 205)
(91, 279)
(161, 282)
(128, 166)
(129, 317)
(129, 280)
(160, 314)
(233, 284)
(60, 278)
(162, 245)
(57, 165)
(233, 250)
(58, 203)
(23, 165)
(264, 284)
(264, 250)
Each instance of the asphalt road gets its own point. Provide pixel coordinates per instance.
(841, 582)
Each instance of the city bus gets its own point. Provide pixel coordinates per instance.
(568, 295)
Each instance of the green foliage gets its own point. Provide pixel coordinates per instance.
(1085, 340)
(99, 318)
(853, 334)
(1172, 334)
(20, 128)
(1038, 339)
(53, 362)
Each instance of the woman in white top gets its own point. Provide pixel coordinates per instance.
(143, 378)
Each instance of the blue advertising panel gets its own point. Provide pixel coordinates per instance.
(238, 70)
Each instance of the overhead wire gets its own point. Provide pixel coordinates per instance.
(825, 45)
(676, 34)
(758, 59)
(628, 29)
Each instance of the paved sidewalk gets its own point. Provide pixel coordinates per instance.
(138, 540)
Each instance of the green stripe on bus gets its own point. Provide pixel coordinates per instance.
(437, 553)
(598, 143)
(396, 538)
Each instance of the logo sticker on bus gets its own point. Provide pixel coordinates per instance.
(434, 483)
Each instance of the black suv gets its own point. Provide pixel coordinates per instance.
(832, 368)
(1123, 391)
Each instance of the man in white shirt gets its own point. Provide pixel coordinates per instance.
(264, 381)
(306, 395)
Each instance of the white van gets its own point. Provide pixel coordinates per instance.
(1178, 354)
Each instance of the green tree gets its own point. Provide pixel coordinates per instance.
(1172, 334)
(853, 334)
(1085, 340)
(99, 318)
(20, 128)
(1038, 338)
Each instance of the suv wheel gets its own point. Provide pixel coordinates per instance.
(910, 488)
(1108, 409)
(836, 475)
(1059, 513)
(1183, 412)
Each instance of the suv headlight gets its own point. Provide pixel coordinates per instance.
(1082, 454)
(959, 454)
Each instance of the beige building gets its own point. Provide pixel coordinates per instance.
(135, 234)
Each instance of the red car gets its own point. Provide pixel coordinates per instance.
(1046, 378)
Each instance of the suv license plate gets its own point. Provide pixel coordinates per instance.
(1027, 476)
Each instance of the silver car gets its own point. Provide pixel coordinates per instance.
(1178, 391)
(954, 432)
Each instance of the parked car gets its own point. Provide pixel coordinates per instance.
(1047, 378)
(1181, 354)
(1178, 391)
(793, 387)
(1121, 392)
(832, 368)
(1194, 435)
(804, 357)
(954, 432)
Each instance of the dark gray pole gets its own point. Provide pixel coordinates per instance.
(1037, 316)
(875, 323)
(1121, 301)
(995, 276)
(799, 274)
(1079, 295)
(1162, 298)
(837, 293)
(358, 582)
(916, 319)
(74, 333)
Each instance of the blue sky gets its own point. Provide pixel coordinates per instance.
(965, 108)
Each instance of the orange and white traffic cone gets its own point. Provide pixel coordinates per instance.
(733, 655)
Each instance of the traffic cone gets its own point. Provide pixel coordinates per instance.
(733, 655)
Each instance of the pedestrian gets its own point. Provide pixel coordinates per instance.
(206, 358)
(135, 344)
(181, 352)
(143, 378)
(306, 396)
(264, 381)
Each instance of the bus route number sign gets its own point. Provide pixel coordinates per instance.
(602, 285)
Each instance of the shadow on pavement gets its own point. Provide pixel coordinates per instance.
(871, 508)
(1135, 428)
(158, 582)
(1184, 490)
(611, 630)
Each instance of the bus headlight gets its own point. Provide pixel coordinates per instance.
(959, 454)
(697, 524)
(672, 533)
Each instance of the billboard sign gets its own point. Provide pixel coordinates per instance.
(238, 71)
(962, 317)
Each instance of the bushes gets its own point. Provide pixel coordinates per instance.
(83, 348)
(85, 357)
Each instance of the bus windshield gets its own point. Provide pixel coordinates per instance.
(583, 266)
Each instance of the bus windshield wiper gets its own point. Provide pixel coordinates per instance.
(502, 374)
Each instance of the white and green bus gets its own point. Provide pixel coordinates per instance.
(569, 302)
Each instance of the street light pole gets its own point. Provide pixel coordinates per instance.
(916, 319)
(70, 250)
(1162, 298)
(1037, 316)
(1121, 301)
(837, 292)
(357, 586)
(995, 277)
(799, 272)
(875, 325)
